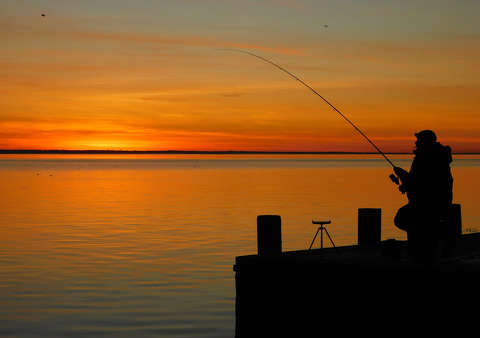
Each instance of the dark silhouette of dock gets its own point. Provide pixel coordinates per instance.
(370, 289)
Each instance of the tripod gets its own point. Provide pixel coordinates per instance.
(322, 228)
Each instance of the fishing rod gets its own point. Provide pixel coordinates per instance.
(316, 93)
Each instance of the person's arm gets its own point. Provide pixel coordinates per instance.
(403, 175)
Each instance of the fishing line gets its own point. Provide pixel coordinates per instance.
(316, 93)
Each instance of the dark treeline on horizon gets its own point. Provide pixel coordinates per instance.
(232, 152)
(62, 151)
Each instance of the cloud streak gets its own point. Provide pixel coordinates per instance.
(71, 33)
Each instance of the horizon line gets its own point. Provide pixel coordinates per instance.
(206, 152)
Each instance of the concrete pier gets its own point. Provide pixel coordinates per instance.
(359, 290)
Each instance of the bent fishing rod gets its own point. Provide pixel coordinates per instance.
(316, 93)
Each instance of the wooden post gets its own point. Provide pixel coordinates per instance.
(369, 226)
(269, 234)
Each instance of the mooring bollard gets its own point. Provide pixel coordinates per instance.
(369, 226)
(455, 219)
(452, 230)
(269, 234)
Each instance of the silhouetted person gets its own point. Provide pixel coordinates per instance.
(428, 186)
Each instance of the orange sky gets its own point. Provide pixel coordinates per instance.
(108, 75)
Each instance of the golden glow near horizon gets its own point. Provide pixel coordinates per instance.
(113, 75)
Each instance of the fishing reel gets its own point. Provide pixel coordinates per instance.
(396, 180)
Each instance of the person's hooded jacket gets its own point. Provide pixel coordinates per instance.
(430, 182)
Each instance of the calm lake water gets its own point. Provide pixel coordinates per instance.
(143, 246)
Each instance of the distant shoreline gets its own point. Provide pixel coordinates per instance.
(192, 152)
